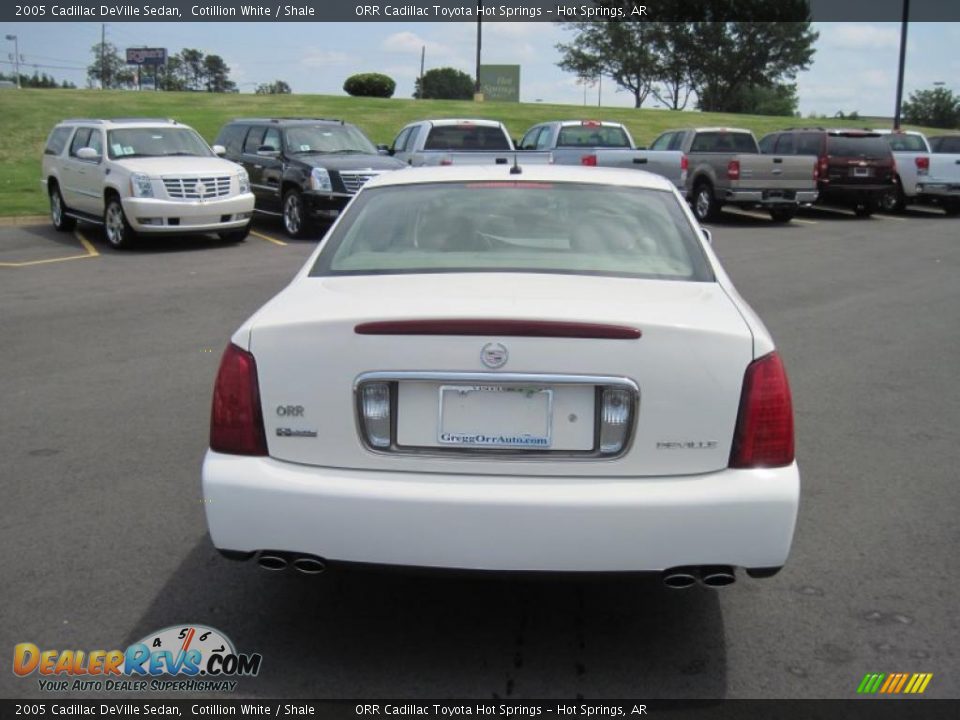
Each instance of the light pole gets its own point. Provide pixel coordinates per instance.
(16, 56)
(477, 96)
(903, 57)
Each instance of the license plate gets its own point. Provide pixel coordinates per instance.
(862, 172)
(495, 416)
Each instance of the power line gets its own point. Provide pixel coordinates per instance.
(41, 65)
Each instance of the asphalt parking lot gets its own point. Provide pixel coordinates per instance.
(108, 361)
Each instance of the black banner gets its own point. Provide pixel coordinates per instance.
(471, 10)
(862, 709)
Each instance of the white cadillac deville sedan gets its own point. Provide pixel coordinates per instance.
(500, 368)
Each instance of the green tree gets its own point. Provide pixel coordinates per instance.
(369, 85)
(192, 68)
(621, 51)
(937, 107)
(173, 75)
(673, 43)
(277, 87)
(777, 99)
(216, 75)
(444, 84)
(108, 69)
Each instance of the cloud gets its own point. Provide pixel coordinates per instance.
(316, 57)
(408, 42)
(860, 36)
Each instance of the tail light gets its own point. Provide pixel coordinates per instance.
(446, 161)
(684, 163)
(616, 417)
(236, 421)
(923, 164)
(823, 166)
(733, 170)
(764, 432)
(589, 160)
(816, 172)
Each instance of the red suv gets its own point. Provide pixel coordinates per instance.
(854, 167)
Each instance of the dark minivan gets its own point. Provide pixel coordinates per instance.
(854, 167)
(304, 170)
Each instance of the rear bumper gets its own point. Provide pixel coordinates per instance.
(854, 193)
(938, 190)
(771, 198)
(743, 518)
(152, 215)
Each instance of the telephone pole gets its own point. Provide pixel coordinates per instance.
(103, 56)
(903, 58)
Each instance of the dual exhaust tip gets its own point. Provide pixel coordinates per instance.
(710, 575)
(276, 561)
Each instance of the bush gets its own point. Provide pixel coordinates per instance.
(369, 85)
(444, 84)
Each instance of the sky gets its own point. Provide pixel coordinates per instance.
(854, 68)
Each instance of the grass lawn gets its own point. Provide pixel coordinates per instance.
(28, 115)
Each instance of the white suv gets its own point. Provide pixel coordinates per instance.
(143, 176)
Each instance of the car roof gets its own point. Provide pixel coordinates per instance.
(528, 173)
(585, 123)
(444, 122)
(290, 121)
(125, 121)
(888, 131)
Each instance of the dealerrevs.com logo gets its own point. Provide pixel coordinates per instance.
(188, 658)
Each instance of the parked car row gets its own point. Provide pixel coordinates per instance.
(146, 176)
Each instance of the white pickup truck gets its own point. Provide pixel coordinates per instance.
(600, 143)
(459, 142)
(923, 176)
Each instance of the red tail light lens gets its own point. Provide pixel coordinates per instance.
(733, 170)
(764, 433)
(590, 160)
(446, 161)
(236, 421)
(923, 164)
(824, 166)
(684, 163)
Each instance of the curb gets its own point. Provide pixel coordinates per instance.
(15, 220)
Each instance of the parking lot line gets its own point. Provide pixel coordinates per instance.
(881, 216)
(267, 238)
(91, 251)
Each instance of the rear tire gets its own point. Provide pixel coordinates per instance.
(115, 226)
(705, 206)
(866, 209)
(235, 236)
(893, 200)
(782, 215)
(58, 211)
(295, 220)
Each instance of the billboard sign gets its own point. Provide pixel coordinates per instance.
(500, 83)
(146, 56)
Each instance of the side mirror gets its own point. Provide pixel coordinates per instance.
(384, 150)
(87, 153)
(707, 234)
(219, 150)
(267, 151)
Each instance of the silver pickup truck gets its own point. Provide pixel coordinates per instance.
(726, 168)
(459, 142)
(923, 176)
(602, 144)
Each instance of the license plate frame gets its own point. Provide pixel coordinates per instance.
(862, 172)
(524, 404)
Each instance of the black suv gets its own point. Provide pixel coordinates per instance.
(854, 167)
(303, 169)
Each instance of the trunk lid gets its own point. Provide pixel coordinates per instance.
(775, 172)
(688, 364)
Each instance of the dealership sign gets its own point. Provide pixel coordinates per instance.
(146, 56)
(500, 82)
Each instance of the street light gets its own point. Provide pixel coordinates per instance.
(16, 56)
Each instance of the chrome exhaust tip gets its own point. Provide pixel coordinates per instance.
(310, 565)
(679, 578)
(271, 561)
(717, 575)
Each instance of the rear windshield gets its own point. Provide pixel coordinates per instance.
(586, 136)
(946, 144)
(155, 142)
(724, 142)
(901, 142)
(57, 140)
(515, 227)
(466, 137)
(858, 145)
